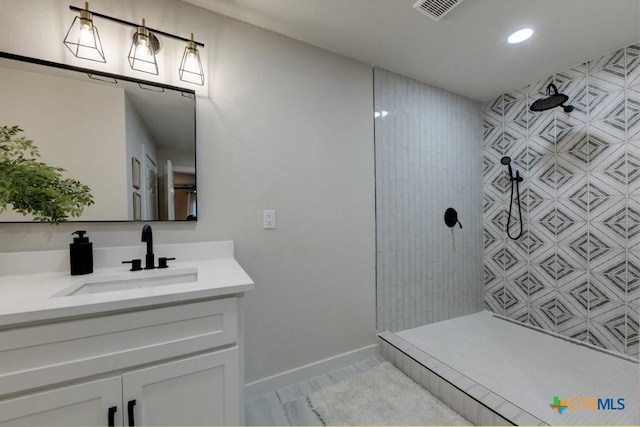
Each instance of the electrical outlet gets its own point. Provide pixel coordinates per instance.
(268, 219)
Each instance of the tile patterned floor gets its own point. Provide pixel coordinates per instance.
(288, 406)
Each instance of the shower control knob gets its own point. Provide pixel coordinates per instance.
(451, 218)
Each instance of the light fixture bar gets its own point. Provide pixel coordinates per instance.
(134, 25)
(90, 71)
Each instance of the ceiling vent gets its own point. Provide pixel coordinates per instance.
(436, 9)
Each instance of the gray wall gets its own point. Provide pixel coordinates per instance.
(576, 270)
(281, 125)
(428, 153)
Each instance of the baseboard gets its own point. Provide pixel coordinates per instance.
(311, 370)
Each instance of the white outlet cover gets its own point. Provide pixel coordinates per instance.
(268, 219)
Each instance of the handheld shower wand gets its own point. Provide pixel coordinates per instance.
(507, 162)
(517, 179)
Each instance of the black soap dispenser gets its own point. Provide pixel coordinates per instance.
(81, 254)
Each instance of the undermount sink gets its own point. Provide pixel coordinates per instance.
(128, 281)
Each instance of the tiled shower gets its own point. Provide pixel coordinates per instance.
(428, 151)
(576, 269)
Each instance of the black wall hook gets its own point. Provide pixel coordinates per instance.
(451, 218)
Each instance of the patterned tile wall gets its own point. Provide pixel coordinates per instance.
(576, 269)
(428, 157)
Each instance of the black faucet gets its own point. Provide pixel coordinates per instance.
(147, 236)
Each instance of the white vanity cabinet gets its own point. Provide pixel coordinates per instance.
(84, 404)
(172, 364)
(197, 391)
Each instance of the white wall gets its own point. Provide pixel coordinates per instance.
(70, 119)
(139, 144)
(287, 127)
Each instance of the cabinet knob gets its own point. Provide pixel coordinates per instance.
(130, 406)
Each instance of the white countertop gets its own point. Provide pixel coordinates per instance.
(27, 298)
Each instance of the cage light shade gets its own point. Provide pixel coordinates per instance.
(83, 39)
(142, 56)
(191, 67)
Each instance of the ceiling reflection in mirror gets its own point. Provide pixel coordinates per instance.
(132, 142)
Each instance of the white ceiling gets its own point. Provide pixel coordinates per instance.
(466, 52)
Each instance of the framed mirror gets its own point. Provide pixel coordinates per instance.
(133, 142)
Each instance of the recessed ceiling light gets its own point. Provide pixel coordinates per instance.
(520, 36)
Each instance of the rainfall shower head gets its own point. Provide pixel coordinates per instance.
(551, 100)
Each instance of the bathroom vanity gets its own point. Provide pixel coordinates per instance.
(157, 347)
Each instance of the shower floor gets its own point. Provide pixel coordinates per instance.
(528, 368)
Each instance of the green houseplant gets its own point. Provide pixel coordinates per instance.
(32, 187)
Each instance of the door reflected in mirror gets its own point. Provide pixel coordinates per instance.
(126, 139)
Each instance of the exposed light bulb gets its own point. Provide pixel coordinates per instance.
(83, 39)
(191, 67)
(86, 35)
(142, 54)
(143, 49)
(191, 63)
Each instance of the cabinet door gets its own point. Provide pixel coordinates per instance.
(85, 404)
(201, 390)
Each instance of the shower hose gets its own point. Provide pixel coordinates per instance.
(515, 180)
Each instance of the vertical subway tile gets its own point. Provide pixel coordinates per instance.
(499, 421)
(446, 393)
(471, 410)
(384, 350)
(485, 416)
(416, 370)
(457, 401)
(424, 378)
(428, 273)
(434, 384)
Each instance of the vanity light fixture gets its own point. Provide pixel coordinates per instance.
(144, 46)
(142, 54)
(191, 67)
(83, 39)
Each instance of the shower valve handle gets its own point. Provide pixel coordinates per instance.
(451, 218)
